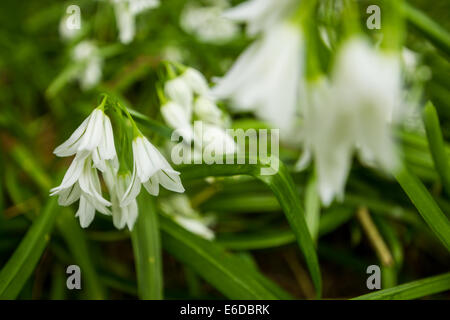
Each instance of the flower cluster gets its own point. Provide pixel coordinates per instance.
(188, 96)
(93, 145)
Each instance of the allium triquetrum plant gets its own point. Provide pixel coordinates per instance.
(139, 140)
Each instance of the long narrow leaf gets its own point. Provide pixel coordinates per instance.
(221, 269)
(147, 250)
(20, 266)
(436, 144)
(425, 204)
(412, 290)
(283, 187)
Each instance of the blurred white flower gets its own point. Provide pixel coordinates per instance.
(266, 78)
(215, 140)
(66, 32)
(179, 91)
(261, 15)
(179, 208)
(178, 118)
(207, 110)
(126, 11)
(151, 169)
(87, 55)
(207, 23)
(196, 81)
(352, 113)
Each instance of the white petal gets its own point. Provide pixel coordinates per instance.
(178, 91)
(70, 146)
(132, 191)
(86, 212)
(69, 195)
(93, 134)
(170, 180)
(107, 150)
(73, 173)
(196, 81)
(132, 214)
(152, 185)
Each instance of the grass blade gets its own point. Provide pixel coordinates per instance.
(412, 290)
(20, 266)
(147, 250)
(226, 272)
(283, 188)
(425, 204)
(436, 145)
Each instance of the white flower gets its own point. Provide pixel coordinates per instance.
(215, 139)
(86, 54)
(178, 118)
(117, 184)
(126, 11)
(196, 81)
(261, 15)
(66, 32)
(180, 92)
(94, 136)
(151, 169)
(81, 182)
(353, 113)
(179, 208)
(208, 23)
(206, 110)
(93, 145)
(266, 77)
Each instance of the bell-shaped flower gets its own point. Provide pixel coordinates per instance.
(178, 118)
(266, 78)
(261, 15)
(94, 136)
(151, 169)
(180, 92)
(196, 81)
(81, 182)
(353, 112)
(126, 11)
(206, 110)
(117, 184)
(87, 55)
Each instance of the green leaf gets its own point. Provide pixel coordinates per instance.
(434, 32)
(436, 145)
(412, 290)
(283, 187)
(20, 266)
(226, 272)
(425, 204)
(78, 245)
(147, 250)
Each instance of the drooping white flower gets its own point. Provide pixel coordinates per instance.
(180, 92)
(196, 81)
(81, 182)
(207, 23)
(87, 55)
(151, 169)
(94, 136)
(179, 208)
(117, 184)
(353, 113)
(214, 139)
(207, 110)
(261, 15)
(93, 145)
(126, 11)
(266, 78)
(178, 118)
